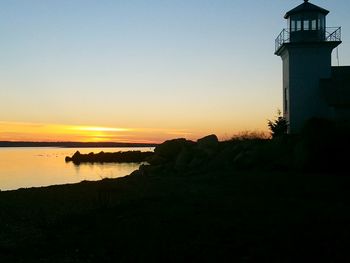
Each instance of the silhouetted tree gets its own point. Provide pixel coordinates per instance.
(278, 126)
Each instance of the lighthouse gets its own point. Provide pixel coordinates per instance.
(306, 49)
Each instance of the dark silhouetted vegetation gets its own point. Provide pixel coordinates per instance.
(279, 126)
(250, 135)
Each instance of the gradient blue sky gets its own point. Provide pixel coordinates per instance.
(179, 68)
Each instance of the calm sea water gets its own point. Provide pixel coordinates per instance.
(43, 166)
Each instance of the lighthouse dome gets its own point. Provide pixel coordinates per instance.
(305, 8)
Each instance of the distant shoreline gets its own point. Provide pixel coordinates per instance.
(4, 144)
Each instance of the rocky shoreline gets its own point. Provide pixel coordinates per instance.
(109, 157)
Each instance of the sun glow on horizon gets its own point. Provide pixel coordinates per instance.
(98, 129)
(21, 131)
(39, 132)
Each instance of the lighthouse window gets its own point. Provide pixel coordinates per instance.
(313, 25)
(298, 25)
(306, 24)
(292, 25)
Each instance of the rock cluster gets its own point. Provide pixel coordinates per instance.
(183, 155)
(102, 157)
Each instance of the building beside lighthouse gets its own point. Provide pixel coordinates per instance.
(312, 87)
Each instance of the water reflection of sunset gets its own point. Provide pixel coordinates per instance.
(33, 167)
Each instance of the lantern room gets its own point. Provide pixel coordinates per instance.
(307, 22)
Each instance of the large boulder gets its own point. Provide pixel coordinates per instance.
(169, 150)
(180, 154)
(184, 158)
(208, 144)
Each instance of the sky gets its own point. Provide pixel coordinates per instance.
(143, 70)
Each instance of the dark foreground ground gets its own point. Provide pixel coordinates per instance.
(226, 216)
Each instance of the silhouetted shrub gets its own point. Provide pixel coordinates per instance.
(250, 135)
(278, 126)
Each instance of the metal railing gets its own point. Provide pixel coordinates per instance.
(283, 37)
(332, 34)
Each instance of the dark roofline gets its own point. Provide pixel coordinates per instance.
(306, 7)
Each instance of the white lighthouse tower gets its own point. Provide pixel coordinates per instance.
(305, 48)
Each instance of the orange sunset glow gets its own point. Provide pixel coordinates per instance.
(32, 132)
